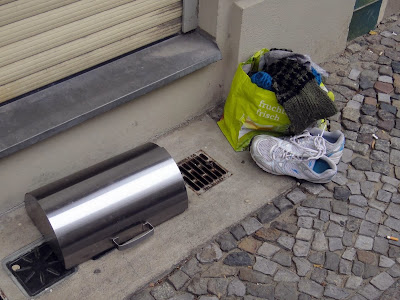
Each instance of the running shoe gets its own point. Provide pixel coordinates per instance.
(282, 157)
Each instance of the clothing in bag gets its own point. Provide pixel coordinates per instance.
(250, 110)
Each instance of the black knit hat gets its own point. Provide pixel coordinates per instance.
(298, 92)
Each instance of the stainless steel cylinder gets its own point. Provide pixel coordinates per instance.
(114, 203)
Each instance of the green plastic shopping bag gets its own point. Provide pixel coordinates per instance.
(250, 110)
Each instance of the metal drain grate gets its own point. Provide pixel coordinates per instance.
(200, 172)
(38, 269)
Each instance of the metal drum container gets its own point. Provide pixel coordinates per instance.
(115, 203)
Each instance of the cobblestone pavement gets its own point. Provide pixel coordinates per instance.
(321, 241)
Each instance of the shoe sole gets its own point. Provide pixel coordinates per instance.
(274, 173)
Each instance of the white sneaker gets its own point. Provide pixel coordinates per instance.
(281, 157)
(316, 139)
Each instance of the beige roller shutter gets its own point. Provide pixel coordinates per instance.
(43, 41)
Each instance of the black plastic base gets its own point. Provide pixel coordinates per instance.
(38, 269)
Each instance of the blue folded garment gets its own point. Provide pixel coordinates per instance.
(317, 76)
(262, 80)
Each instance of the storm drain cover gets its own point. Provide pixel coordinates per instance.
(200, 172)
(38, 269)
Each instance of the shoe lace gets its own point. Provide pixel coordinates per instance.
(319, 142)
(280, 153)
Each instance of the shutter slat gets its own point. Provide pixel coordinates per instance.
(2, 2)
(13, 11)
(39, 23)
(75, 30)
(80, 46)
(88, 60)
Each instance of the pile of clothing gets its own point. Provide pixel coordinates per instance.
(310, 153)
(295, 79)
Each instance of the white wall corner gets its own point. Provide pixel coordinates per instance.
(208, 14)
(382, 11)
(190, 15)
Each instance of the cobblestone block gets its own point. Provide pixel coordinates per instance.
(163, 291)
(267, 249)
(268, 213)
(226, 242)
(317, 258)
(305, 234)
(364, 242)
(320, 243)
(334, 230)
(286, 242)
(389, 188)
(348, 239)
(385, 262)
(341, 193)
(238, 232)
(358, 212)
(332, 261)
(345, 267)
(318, 224)
(303, 266)
(282, 204)
(334, 278)
(236, 288)
(218, 286)
(260, 291)
(355, 175)
(286, 227)
(393, 210)
(192, 267)
(301, 248)
(370, 271)
(358, 268)
(367, 189)
(286, 291)
(384, 196)
(284, 275)
(340, 207)
(383, 281)
(312, 188)
(237, 259)
(311, 288)
(268, 234)
(381, 245)
(373, 176)
(178, 279)
(368, 228)
(335, 292)
(358, 200)
(283, 258)
(296, 196)
(265, 266)
(209, 253)
(251, 225)
(370, 292)
(349, 254)
(353, 282)
(250, 275)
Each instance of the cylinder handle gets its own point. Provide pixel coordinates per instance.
(137, 239)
